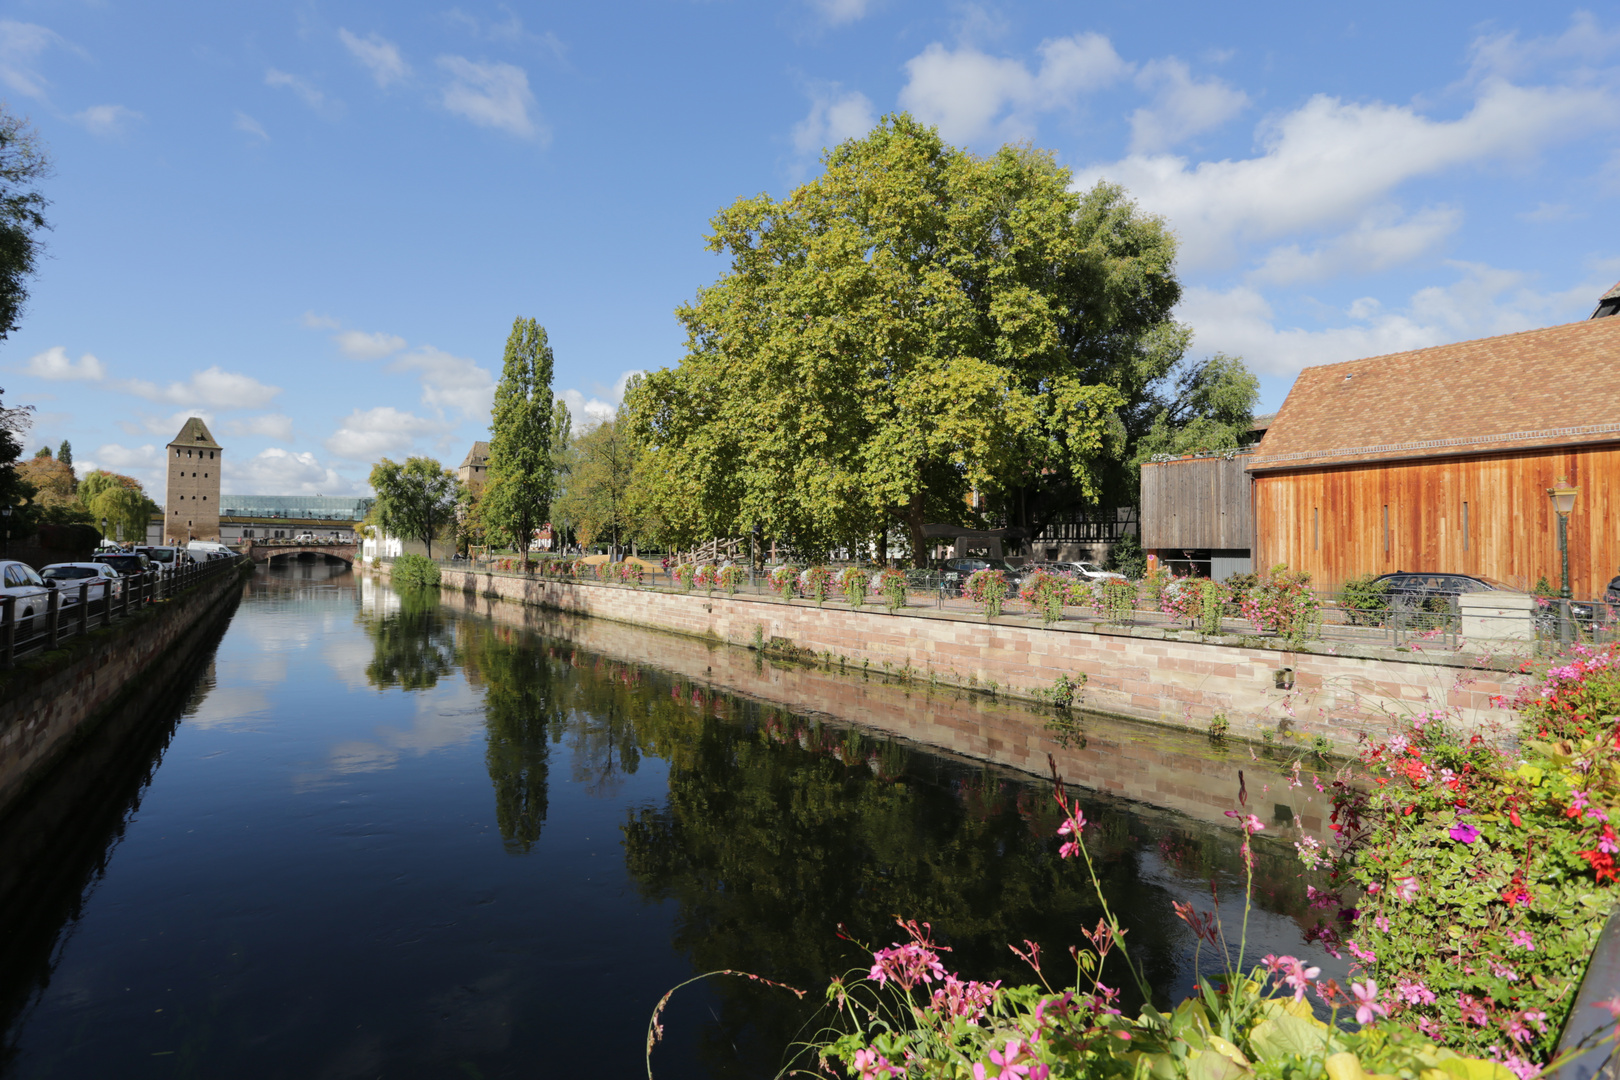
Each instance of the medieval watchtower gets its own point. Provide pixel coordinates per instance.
(191, 504)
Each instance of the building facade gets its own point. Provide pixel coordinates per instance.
(280, 517)
(474, 471)
(191, 486)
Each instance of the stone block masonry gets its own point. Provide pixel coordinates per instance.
(1181, 679)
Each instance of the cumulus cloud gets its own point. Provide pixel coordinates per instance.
(107, 120)
(1482, 302)
(450, 383)
(284, 472)
(1382, 239)
(834, 117)
(602, 404)
(1326, 162)
(271, 425)
(304, 90)
(363, 346)
(246, 124)
(164, 426)
(144, 463)
(369, 434)
(970, 95)
(54, 364)
(1182, 106)
(493, 95)
(378, 56)
(213, 387)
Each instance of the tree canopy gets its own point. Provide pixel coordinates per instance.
(598, 501)
(913, 325)
(22, 213)
(415, 500)
(517, 499)
(118, 500)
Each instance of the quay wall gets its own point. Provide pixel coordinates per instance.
(49, 702)
(1343, 693)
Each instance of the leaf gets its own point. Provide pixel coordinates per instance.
(1474, 1069)
(1209, 1065)
(1287, 1036)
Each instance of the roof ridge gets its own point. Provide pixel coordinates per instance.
(1452, 344)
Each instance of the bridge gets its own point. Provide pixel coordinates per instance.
(266, 551)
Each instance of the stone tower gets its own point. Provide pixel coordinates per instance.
(191, 504)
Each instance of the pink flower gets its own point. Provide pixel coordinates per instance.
(1072, 826)
(1366, 956)
(1382, 924)
(1406, 888)
(1293, 972)
(907, 964)
(1502, 971)
(1367, 1004)
(871, 1065)
(968, 999)
(1464, 833)
(1414, 993)
(1472, 1011)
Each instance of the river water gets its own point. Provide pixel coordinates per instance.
(381, 835)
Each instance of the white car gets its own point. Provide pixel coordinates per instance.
(1093, 572)
(28, 591)
(167, 559)
(69, 576)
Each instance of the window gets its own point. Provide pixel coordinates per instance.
(1465, 526)
(1316, 529)
(1386, 528)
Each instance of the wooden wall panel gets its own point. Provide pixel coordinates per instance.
(1197, 503)
(1512, 530)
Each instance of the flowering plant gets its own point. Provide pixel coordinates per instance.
(605, 571)
(685, 574)
(1284, 604)
(816, 583)
(632, 573)
(581, 569)
(891, 585)
(784, 581)
(1046, 592)
(707, 576)
(1199, 601)
(1114, 600)
(853, 582)
(987, 588)
(730, 578)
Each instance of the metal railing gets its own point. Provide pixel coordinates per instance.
(71, 609)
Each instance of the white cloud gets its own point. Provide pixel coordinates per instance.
(378, 55)
(211, 387)
(363, 346)
(510, 31)
(492, 95)
(1504, 55)
(270, 425)
(284, 472)
(1381, 239)
(21, 44)
(966, 92)
(1182, 106)
(106, 119)
(833, 118)
(304, 90)
(1483, 302)
(55, 365)
(144, 463)
(450, 383)
(250, 126)
(165, 426)
(587, 412)
(1326, 162)
(838, 12)
(311, 321)
(376, 433)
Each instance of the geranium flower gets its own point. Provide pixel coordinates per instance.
(1367, 1004)
(1406, 888)
(1523, 940)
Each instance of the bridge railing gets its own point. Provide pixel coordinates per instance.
(31, 624)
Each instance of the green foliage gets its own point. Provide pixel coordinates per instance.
(22, 214)
(414, 571)
(1284, 603)
(118, 500)
(684, 575)
(853, 583)
(730, 578)
(1064, 688)
(784, 581)
(1365, 600)
(600, 500)
(413, 646)
(1127, 557)
(1219, 725)
(988, 589)
(1209, 408)
(1115, 600)
(1046, 592)
(522, 470)
(891, 586)
(912, 323)
(632, 573)
(14, 490)
(416, 500)
(818, 584)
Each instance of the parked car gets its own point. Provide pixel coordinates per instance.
(305, 538)
(104, 580)
(28, 591)
(127, 563)
(1413, 591)
(1086, 571)
(168, 559)
(955, 572)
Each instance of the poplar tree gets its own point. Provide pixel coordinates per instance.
(64, 453)
(522, 473)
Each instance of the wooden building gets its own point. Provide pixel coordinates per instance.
(1440, 460)
(1197, 517)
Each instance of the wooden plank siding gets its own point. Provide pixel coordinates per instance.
(1330, 521)
(1197, 503)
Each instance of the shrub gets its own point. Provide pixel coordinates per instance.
(414, 571)
(1127, 556)
(632, 573)
(1365, 600)
(605, 571)
(1214, 605)
(817, 584)
(730, 578)
(987, 588)
(1219, 725)
(783, 581)
(1284, 604)
(891, 585)
(1154, 583)
(1064, 688)
(853, 582)
(581, 570)
(1046, 592)
(1079, 593)
(1114, 600)
(685, 574)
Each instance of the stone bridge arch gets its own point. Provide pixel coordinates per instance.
(264, 551)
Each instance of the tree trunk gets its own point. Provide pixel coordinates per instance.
(914, 526)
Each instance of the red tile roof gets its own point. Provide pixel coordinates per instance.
(1551, 387)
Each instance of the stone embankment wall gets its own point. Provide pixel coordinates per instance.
(1176, 770)
(1341, 693)
(49, 702)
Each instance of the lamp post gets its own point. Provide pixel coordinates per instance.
(1563, 500)
(103, 530)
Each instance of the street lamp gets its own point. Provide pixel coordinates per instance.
(103, 530)
(1563, 499)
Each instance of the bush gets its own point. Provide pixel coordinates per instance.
(1127, 557)
(1046, 592)
(784, 581)
(1284, 604)
(685, 574)
(414, 571)
(1365, 600)
(632, 573)
(817, 584)
(853, 582)
(708, 576)
(730, 578)
(1114, 600)
(987, 588)
(891, 585)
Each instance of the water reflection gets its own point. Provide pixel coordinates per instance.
(413, 646)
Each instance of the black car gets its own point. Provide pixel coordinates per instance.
(954, 573)
(126, 563)
(1411, 591)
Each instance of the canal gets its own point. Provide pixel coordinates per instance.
(383, 835)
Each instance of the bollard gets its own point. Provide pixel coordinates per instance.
(84, 609)
(53, 618)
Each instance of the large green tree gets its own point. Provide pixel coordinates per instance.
(416, 500)
(599, 503)
(517, 499)
(22, 213)
(913, 325)
(14, 489)
(118, 500)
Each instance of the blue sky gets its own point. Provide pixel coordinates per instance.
(313, 224)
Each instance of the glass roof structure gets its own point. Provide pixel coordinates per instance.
(308, 507)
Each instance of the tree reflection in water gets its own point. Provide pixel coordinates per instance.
(413, 645)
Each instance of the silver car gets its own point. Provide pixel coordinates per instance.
(69, 576)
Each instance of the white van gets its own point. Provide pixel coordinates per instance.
(209, 547)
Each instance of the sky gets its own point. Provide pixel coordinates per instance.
(313, 224)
